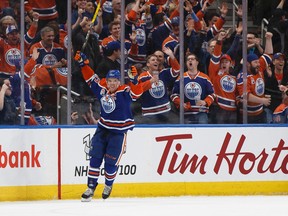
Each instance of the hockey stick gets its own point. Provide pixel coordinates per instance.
(92, 22)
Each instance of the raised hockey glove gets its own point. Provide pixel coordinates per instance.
(81, 58)
(133, 75)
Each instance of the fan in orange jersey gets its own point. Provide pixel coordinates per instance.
(255, 83)
(46, 9)
(224, 110)
(10, 51)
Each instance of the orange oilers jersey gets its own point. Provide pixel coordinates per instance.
(43, 78)
(4, 4)
(39, 75)
(282, 112)
(282, 108)
(157, 2)
(11, 54)
(63, 39)
(225, 85)
(255, 85)
(46, 9)
(107, 40)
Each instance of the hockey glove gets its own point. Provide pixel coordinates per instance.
(133, 75)
(81, 58)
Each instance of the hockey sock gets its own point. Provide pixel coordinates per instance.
(110, 173)
(94, 172)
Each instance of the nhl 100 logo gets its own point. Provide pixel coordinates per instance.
(122, 169)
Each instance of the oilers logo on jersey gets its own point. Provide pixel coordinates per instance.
(228, 84)
(49, 59)
(140, 37)
(193, 90)
(157, 89)
(107, 7)
(12, 55)
(259, 87)
(62, 71)
(108, 103)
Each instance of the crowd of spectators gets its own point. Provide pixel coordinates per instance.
(213, 74)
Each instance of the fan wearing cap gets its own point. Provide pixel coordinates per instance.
(275, 75)
(5, 21)
(109, 140)
(10, 50)
(255, 84)
(131, 46)
(109, 60)
(224, 110)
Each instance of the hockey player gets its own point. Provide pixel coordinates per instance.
(109, 140)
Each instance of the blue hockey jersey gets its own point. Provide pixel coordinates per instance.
(116, 113)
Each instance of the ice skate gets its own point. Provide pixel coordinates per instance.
(106, 192)
(87, 195)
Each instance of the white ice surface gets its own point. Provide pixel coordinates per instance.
(164, 206)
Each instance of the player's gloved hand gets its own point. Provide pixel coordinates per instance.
(133, 75)
(81, 58)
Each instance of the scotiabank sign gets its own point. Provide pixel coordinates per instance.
(20, 159)
(235, 159)
(28, 156)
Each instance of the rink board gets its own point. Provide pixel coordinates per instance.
(14, 193)
(51, 163)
